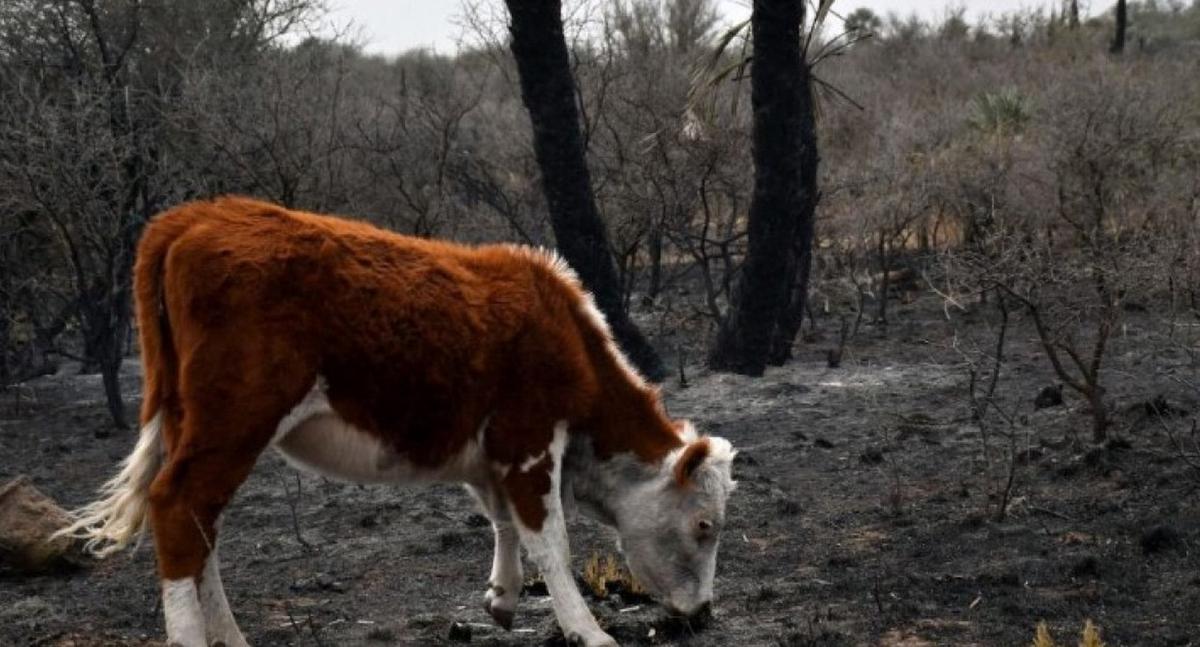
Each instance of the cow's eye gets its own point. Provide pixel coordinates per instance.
(704, 528)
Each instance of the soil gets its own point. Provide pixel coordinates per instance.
(867, 514)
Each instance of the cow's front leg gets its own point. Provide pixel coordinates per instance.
(507, 578)
(533, 491)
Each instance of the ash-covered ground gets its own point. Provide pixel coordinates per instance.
(866, 515)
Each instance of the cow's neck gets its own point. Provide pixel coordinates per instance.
(622, 448)
(597, 487)
(626, 416)
(623, 440)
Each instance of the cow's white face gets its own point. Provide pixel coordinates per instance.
(670, 526)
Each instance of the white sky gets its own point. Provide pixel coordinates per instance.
(392, 26)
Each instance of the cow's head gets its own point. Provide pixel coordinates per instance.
(670, 525)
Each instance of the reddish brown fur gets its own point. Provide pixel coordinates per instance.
(241, 304)
(691, 458)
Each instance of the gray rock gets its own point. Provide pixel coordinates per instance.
(27, 519)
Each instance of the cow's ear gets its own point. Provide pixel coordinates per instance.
(690, 460)
(685, 430)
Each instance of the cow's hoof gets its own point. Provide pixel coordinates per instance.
(501, 609)
(591, 639)
(503, 617)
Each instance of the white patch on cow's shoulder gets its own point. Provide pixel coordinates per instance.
(531, 461)
(181, 606)
(313, 437)
(549, 548)
(554, 450)
(528, 463)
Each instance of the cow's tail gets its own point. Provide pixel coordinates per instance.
(118, 517)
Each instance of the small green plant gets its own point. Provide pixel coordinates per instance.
(1089, 638)
(1004, 112)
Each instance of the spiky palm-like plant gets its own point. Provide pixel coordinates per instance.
(1003, 112)
(769, 302)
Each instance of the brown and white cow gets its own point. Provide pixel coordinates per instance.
(368, 356)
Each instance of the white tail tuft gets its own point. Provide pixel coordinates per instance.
(119, 516)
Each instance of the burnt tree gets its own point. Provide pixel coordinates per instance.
(781, 104)
(799, 265)
(548, 90)
(1122, 17)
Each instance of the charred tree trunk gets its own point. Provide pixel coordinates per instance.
(7, 303)
(110, 374)
(791, 316)
(105, 322)
(1100, 420)
(95, 323)
(885, 281)
(1073, 14)
(103, 346)
(778, 99)
(105, 309)
(1118, 44)
(548, 90)
(5, 372)
(655, 251)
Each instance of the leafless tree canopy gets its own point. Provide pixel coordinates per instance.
(1015, 160)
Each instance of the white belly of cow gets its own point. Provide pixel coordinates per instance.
(313, 437)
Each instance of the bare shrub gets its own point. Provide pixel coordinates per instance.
(1068, 220)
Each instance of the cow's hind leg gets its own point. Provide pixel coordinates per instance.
(205, 465)
(220, 626)
(507, 578)
(185, 501)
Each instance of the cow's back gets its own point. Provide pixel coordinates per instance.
(417, 340)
